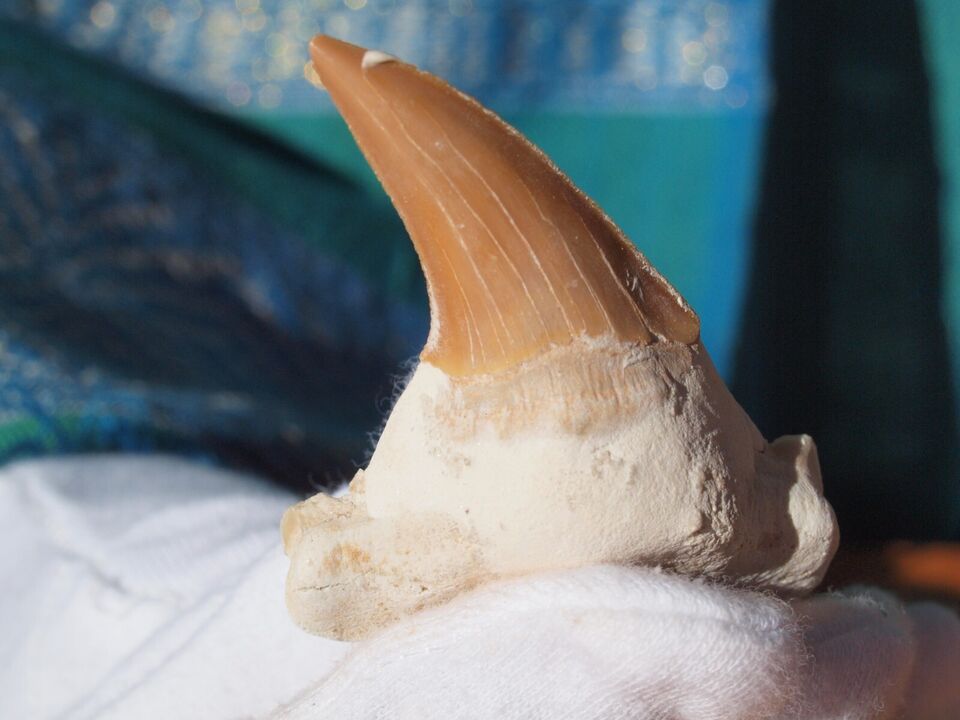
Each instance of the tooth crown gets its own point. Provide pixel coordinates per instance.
(565, 412)
(517, 260)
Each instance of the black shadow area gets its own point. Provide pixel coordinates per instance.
(843, 336)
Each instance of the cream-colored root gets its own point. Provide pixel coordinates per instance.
(593, 453)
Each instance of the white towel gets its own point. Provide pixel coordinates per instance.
(138, 588)
(144, 588)
(612, 643)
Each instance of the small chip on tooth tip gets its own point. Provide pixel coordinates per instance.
(311, 76)
(372, 58)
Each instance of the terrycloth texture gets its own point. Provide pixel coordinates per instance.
(151, 588)
(609, 643)
(862, 649)
(600, 642)
(140, 588)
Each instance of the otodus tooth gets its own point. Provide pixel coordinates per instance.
(564, 411)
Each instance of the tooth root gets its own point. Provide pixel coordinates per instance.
(517, 260)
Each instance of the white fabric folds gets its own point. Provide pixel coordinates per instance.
(139, 588)
(153, 588)
(610, 643)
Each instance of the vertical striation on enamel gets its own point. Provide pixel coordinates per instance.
(517, 259)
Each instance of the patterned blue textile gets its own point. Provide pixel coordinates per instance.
(143, 305)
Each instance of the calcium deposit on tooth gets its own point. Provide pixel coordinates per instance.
(564, 411)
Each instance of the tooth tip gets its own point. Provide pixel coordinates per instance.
(330, 55)
(323, 45)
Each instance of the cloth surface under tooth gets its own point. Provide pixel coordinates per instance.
(615, 643)
(145, 587)
(136, 584)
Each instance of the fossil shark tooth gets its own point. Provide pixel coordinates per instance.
(564, 411)
(517, 259)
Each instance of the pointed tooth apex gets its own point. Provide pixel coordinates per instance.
(517, 260)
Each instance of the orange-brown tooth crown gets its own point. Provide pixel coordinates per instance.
(517, 259)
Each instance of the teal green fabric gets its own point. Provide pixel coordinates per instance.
(941, 23)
